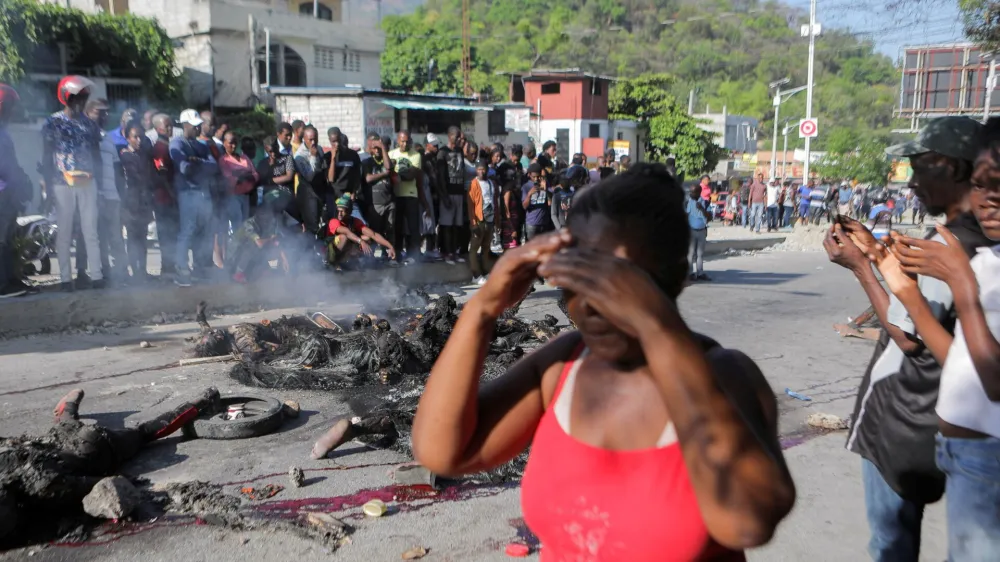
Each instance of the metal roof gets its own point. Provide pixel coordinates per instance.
(543, 73)
(434, 106)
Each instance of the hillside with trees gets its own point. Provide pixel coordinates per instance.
(726, 50)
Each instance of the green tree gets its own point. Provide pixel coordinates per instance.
(670, 131)
(29, 32)
(982, 22)
(865, 161)
(728, 60)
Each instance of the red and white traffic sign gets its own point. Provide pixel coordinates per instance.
(808, 129)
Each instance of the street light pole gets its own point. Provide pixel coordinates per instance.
(813, 31)
(784, 154)
(777, 108)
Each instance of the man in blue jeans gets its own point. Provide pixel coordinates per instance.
(894, 420)
(192, 183)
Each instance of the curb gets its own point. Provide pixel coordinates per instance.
(53, 311)
(716, 247)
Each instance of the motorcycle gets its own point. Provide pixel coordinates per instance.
(37, 236)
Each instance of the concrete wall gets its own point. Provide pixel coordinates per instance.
(549, 127)
(325, 111)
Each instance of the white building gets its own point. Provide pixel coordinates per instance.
(313, 43)
(736, 133)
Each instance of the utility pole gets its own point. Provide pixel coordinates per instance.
(813, 30)
(777, 108)
(254, 76)
(784, 153)
(466, 49)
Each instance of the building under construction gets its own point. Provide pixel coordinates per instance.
(946, 79)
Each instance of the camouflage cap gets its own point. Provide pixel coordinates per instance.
(954, 136)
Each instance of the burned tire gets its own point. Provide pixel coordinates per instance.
(263, 415)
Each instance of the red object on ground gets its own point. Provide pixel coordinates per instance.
(517, 550)
(240, 278)
(180, 421)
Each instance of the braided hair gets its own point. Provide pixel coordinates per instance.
(647, 206)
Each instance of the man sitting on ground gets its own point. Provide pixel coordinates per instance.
(352, 237)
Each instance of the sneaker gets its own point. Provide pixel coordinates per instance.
(481, 280)
(66, 287)
(11, 291)
(240, 277)
(459, 259)
(703, 277)
(99, 284)
(182, 280)
(449, 261)
(393, 263)
(409, 261)
(433, 255)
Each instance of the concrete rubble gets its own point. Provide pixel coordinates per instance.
(112, 498)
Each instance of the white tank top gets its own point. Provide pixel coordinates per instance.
(962, 400)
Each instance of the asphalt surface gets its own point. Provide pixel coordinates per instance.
(777, 307)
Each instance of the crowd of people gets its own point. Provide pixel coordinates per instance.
(778, 203)
(224, 209)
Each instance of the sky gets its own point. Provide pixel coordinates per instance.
(912, 23)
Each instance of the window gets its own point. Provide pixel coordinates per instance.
(911, 61)
(942, 59)
(552, 88)
(113, 7)
(595, 131)
(336, 59)
(595, 88)
(285, 65)
(620, 136)
(323, 11)
(496, 122)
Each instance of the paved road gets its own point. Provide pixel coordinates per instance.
(778, 307)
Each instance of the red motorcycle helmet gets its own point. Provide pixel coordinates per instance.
(8, 97)
(72, 85)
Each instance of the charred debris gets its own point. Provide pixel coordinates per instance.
(383, 361)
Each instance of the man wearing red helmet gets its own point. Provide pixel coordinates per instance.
(71, 165)
(15, 192)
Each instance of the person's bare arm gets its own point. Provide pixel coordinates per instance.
(845, 252)
(378, 238)
(526, 200)
(949, 263)
(460, 428)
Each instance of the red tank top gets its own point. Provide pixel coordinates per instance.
(587, 504)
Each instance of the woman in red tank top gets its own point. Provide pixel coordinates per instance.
(649, 442)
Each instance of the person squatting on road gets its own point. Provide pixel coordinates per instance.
(968, 441)
(894, 422)
(634, 398)
(351, 239)
(49, 477)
